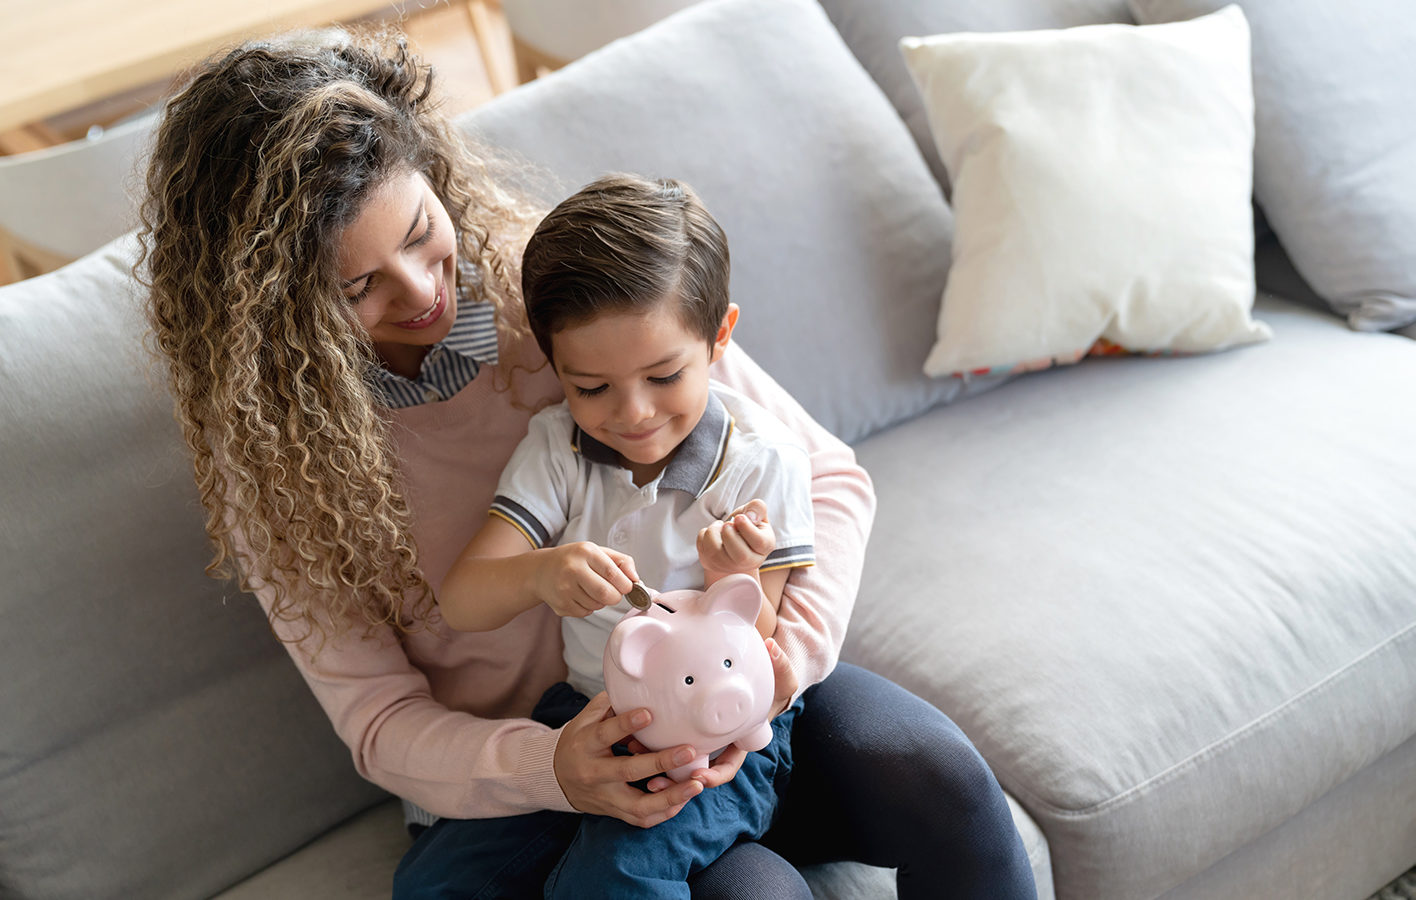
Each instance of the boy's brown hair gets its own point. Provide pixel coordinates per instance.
(624, 243)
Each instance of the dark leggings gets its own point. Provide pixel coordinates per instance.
(880, 777)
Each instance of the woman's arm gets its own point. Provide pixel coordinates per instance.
(816, 604)
(458, 765)
(450, 763)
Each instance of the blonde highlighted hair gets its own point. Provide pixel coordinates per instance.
(260, 163)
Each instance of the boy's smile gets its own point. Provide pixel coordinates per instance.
(637, 382)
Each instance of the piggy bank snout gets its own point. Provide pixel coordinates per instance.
(725, 709)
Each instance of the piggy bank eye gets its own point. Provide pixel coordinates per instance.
(688, 679)
(727, 664)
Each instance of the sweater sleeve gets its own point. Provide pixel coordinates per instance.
(817, 602)
(453, 764)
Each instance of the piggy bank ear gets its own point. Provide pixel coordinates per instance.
(736, 594)
(632, 640)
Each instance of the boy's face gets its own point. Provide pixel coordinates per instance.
(638, 381)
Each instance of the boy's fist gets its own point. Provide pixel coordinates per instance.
(740, 543)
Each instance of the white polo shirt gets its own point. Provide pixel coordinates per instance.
(562, 486)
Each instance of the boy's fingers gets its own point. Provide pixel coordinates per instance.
(758, 538)
(623, 566)
(755, 510)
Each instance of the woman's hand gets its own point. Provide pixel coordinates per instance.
(578, 579)
(783, 675)
(594, 780)
(740, 543)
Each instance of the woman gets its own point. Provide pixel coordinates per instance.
(334, 285)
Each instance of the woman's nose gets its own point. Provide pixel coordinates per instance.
(419, 285)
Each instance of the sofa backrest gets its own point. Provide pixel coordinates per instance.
(839, 235)
(156, 740)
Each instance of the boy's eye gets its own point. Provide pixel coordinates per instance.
(590, 392)
(667, 379)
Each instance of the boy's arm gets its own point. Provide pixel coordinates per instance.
(816, 604)
(499, 575)
(741, 544)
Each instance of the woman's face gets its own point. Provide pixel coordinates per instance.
(397, 261)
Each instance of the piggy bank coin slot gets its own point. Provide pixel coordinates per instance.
(665, 607)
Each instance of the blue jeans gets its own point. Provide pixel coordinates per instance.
(610, 859)
(879, 776)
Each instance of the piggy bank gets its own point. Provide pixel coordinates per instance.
(695, 660)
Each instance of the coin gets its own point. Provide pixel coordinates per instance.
(638, 596)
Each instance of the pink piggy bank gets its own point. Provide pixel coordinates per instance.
(695, 660)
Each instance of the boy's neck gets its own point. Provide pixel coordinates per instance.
(643, 473)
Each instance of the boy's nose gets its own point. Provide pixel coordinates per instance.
(635, 408)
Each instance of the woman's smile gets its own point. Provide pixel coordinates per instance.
(430, 315)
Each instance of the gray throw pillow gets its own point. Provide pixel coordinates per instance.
(873, 32)
(839, 235)
(1335, 144)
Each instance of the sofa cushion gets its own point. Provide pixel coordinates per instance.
(1101, 191)
(1335, 156)
(157, 741)
(838, 233)
(1172, 601)
(356, 862)
(873, 32)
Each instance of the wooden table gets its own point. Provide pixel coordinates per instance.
(58, 55)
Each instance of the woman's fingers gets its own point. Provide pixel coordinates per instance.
(725, 766)
(594, 780)
(784, 677)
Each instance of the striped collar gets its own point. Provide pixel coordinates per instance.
(450, 365)
(698, 461)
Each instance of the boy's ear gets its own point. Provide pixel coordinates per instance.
(725, 333)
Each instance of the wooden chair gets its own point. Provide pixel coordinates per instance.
(58, 203)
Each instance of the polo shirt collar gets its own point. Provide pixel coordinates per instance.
(698, 461)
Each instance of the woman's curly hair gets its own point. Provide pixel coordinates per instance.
(260, 163)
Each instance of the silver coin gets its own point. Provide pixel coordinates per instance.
(638, 596)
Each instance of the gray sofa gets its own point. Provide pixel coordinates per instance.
(1173, 601)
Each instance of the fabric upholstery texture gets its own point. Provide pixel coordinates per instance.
(1139, 234)
(873, 31)
(1335, 168)
(174, 748)
(1129, 664)
(794, 191)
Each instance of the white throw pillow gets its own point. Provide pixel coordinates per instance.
(1102, 179)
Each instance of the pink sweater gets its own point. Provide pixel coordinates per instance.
(438, 717)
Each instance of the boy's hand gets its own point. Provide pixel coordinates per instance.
(740, 543)
(580, 578)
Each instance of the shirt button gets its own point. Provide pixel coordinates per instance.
(431, 395)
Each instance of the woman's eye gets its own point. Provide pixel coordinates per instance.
(667, 379)
(590, 392)
(426, 236)
(353, 299)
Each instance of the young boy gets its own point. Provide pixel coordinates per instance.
(648, 471)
